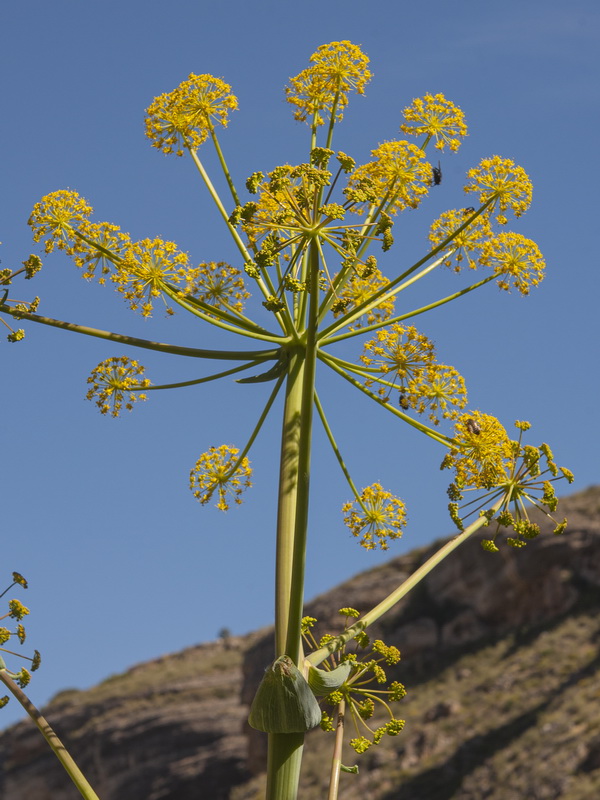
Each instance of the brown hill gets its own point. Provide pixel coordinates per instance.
(501, 654)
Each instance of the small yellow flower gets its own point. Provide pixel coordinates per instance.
(146, 268)
(515, 259)
(466, 243)
(103, 247)
(219, 470)
(482, 451)
(435, 117)
(337, 68)
(503, 181)
(220, 285)
(360, 289)
(55, 216)
(186, 116)
(114, 379)
(441, 389)
(401, 350)
(380, 516)
(526, 479)
(17, 609)
(399, 175)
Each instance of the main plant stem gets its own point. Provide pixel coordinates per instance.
(285, 749)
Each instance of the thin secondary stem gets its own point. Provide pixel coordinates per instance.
(146, 344)
(57, 747)
(196, 381)
(394, 597)
(336, 450)
(224, 166)
(336, 760)
(332, 362)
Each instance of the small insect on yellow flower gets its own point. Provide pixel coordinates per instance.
(222, 471)
(529, 477)
(435, 117)
(185, 117)
(379, 516)
(114, 381)
(482, 451)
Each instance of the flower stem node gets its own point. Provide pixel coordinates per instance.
(284, 702)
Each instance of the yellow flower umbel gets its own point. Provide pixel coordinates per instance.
(99, 246)
(481, 455)
(521, 481)
(337, 68)
(222, 471)
(379, 516)
(55, 216)
(502, 182)
(402, 351)
(435, 117)
(466, 245)
(442, 389)
(516, 260)
(356, 699)
(219, 284)
(186, 116)
(359, 289)
(114, 381)
(148, 268)
(16, 611)
(31, 266)
(399, 176)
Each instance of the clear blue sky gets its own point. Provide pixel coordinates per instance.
(124, 565)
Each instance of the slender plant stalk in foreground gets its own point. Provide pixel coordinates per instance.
(306, 236)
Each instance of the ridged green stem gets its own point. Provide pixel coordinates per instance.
(285, 749)
(146, 344)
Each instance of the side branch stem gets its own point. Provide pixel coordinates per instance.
(146, 344)
(394, 597)
(57, 747)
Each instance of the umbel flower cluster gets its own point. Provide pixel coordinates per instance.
(305, 239)
(362, 694)
(17, 612)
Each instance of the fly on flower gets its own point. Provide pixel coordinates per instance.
(436, 177)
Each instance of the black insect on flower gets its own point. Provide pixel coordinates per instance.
(467, 211)
(436, 177)
(403, 400)
(473, 426)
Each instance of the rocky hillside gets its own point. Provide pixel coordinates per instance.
(500, 655)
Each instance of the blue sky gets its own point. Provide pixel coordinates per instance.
(124, 565)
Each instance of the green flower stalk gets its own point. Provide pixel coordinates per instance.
(307, 235)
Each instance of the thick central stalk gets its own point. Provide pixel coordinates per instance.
(285, 750)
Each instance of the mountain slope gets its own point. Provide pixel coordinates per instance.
(500, 658)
